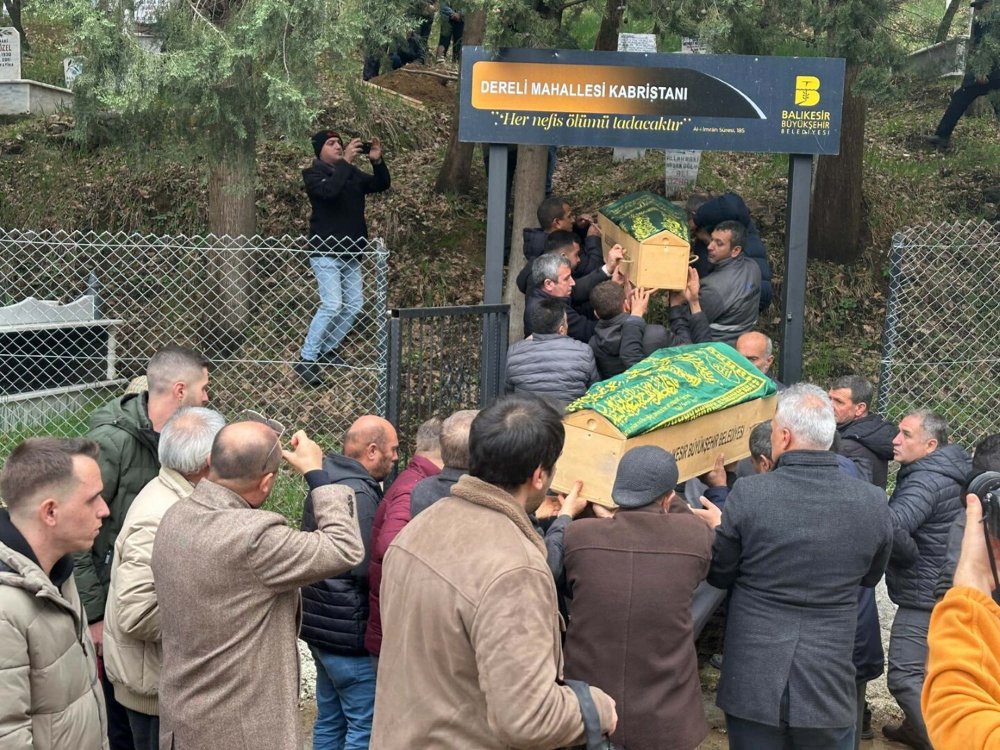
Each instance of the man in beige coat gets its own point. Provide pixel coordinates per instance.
(471, 654)
(227, 578)
(132, 650)
(50, 696)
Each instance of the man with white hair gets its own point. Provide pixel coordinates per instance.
(132, 649)
(793, 545)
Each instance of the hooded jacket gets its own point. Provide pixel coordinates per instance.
(626, 339)
(730, 207)
(868, 442)
(50, 695)
(128, 462)
(927, 499)
(335, 610)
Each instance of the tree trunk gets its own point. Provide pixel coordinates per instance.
(607, 35)
(14, 11)
(232, 218)
(529, 191)
(836, 223)
(456, 169)
(949, 15)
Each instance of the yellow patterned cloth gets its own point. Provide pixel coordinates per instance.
(644, 214)
(676, 385)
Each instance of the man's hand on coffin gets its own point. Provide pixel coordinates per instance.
(640, 301)
(716, 477)
(709, 512)
(573, 504)
(692, 292)
(615, 256)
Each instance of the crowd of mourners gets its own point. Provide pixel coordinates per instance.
(148, 601)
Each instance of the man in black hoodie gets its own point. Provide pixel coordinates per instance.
(622, 337)
(338, 235)
(335, 610)
(865, 437)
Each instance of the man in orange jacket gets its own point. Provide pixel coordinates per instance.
(961, 696)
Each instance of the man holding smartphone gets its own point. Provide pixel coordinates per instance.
(338, 236)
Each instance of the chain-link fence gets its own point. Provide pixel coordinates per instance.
(441, 360)
(941, 347)
(81, 313)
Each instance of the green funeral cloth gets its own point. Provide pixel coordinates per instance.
(645, 214)
(675, 385)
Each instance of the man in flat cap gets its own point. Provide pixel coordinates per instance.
(631, 578)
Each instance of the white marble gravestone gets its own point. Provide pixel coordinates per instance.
(681, 166)
(72, 67)
(634, 43)
(19, 96)
(10, 54)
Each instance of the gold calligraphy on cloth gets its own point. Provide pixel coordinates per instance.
(676, 385)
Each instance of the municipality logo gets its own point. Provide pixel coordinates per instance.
(806, 91)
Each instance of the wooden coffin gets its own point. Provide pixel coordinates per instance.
(654, 233)
(696, 401)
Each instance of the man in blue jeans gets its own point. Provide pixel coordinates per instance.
(338, 235)
(335, 610)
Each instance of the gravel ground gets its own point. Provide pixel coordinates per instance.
(884, 708)
(307, 674)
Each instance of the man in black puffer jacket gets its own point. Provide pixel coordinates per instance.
(335, 610)
(925, 503)
(705, 213)
(865, 437)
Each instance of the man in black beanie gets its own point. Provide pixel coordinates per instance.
(338, 235)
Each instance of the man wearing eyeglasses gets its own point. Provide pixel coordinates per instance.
(227, 578)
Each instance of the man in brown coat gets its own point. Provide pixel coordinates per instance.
(471, 654)
(227, 578)
(631, 579)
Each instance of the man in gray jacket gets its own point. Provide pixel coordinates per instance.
(549, 363)
(793, 545)
(923, 507)
(730, 295)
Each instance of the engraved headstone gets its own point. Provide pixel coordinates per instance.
(72, 67)
(681, 167)
(10, 54)
(634, 43)
(681, 170)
